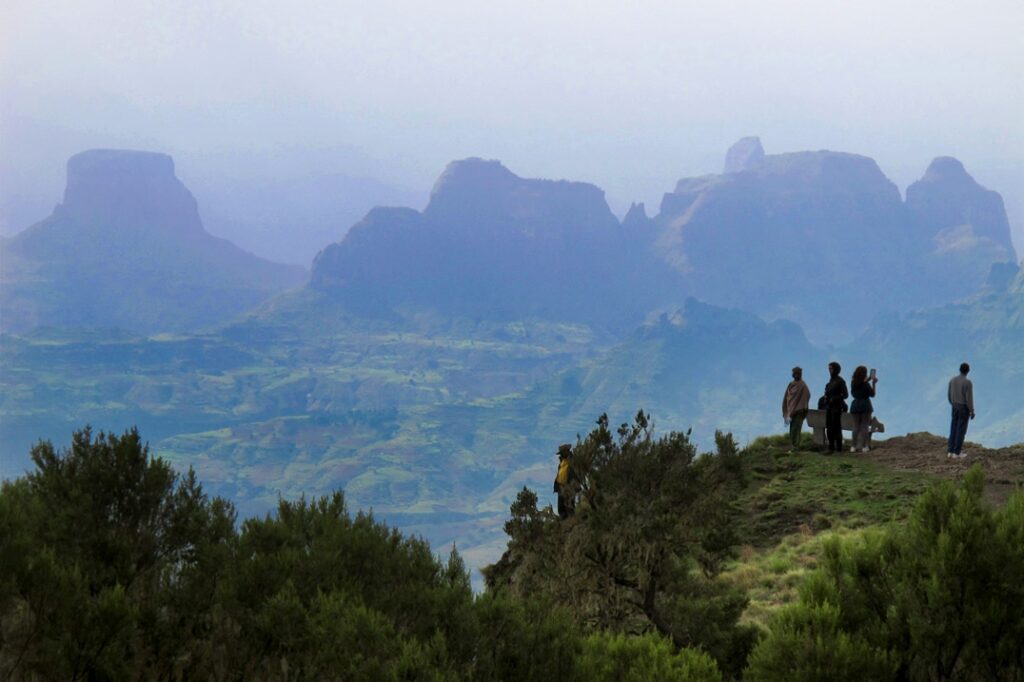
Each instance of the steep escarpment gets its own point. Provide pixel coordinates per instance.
(824, 237)
(490, 244)
(126, 248)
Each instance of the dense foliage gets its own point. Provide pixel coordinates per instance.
(653, 528)
(114, 567)
(937, 598)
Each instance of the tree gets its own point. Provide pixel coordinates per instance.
(110, 559)
(652, 529)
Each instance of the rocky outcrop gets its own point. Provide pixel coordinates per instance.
(746, 154)
(947, 197)
(126, 248)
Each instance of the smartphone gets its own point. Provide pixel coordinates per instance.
(872, 377)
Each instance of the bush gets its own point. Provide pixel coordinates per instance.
(937, 598)
(623, 658)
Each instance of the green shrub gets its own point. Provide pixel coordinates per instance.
(937, 598)
(624, 658)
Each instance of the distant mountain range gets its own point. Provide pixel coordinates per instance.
(496, 246)
(126, 248)
(821, 238)
(433, 358)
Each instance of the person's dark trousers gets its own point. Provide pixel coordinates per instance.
(834, 429)
(958, 428)
(796, 426)
(566, 505)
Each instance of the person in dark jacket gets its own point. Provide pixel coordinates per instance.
(863, 391)
(835, 404)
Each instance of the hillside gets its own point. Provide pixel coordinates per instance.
(789, 505)
(920, 350)
(126, 249)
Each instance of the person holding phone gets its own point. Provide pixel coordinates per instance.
(862, 388)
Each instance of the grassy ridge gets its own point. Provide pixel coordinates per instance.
(795, 502)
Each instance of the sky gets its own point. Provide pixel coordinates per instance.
(629, 96)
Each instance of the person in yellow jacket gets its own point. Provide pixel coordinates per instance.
(566, 500)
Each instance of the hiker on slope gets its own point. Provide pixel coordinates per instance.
(794, 405)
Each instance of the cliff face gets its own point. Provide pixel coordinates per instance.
(126, 248)
(824, 237)
(489, 244)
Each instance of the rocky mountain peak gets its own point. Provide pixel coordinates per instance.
(127, 188)
(636, 216)
(948, 198)
(947, 169)
(472, 176)
(746, 154)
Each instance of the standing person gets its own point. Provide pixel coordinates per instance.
(566, 503)
(863, 390)
(835, 404)
(794, 405)
(961, 397)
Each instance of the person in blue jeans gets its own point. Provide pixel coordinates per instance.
(961, 398)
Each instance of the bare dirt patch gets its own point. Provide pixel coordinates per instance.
(925, 452)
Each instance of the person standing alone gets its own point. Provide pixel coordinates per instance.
(794, 405)
(961, 398)
(563, 479)
(835, 404)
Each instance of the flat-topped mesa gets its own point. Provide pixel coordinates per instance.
(829, 171)
(128, 189)
(947, 197)
(746, 154)
(474, 192)
(126, 249)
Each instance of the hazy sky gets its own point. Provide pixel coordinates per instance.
(628, 96)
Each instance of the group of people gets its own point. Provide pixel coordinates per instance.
(796, 403)
(797, 398)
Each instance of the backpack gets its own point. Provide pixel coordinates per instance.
(562, 477)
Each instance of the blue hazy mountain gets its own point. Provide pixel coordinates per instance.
(702, 367)
(825, 239)
(493, 245)
(290, 219)
(918, 352)
(126, 248)
(435, 356)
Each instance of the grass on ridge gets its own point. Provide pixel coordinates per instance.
(795, 501)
